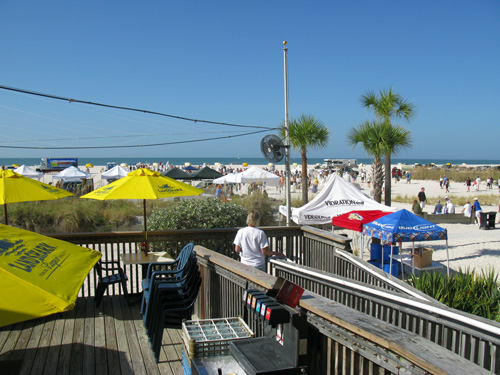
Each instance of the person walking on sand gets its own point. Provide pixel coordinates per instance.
(422, 198)
(252, 245)
(478, 181)
(447, 185)
(477, 209)
(467, 183)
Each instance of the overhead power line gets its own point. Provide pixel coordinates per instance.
(132, 146)
(70, 100)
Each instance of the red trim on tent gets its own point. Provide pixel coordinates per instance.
(355, 220)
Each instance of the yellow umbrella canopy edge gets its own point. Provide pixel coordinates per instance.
(143, 184)
(40, 275)
(17, 188)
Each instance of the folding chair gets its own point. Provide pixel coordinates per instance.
(105, 279)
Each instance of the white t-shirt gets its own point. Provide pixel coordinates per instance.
(467, 210)
(252, 241)
(450, 207)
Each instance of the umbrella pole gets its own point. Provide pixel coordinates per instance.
(146, 228)
(6, 216)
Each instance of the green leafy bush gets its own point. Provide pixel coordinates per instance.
(266, 207)
(197, 213)
(464, 291)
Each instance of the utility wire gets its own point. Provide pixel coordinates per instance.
(131, 146)
(128, 108)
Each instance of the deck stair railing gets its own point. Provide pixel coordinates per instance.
(471, 337)
(340, 339)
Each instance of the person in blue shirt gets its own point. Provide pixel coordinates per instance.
(478, 210)
(438, 208)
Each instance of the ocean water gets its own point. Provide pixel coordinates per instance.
(237, 161)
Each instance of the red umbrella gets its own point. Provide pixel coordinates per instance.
(354, 220)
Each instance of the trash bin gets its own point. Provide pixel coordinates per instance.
(488, 220)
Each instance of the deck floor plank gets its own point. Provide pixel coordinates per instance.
(109, 339)
(64, 361)
(55, 345)
(121, 338)
(89, 360)
(76, 363)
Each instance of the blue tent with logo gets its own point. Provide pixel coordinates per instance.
(404, 226)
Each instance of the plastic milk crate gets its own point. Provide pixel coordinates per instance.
(211, 337)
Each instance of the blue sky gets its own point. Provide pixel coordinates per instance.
(223, 61)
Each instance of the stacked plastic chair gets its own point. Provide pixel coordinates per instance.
(169, 296)
(167, 269)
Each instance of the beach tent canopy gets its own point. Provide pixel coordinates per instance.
(336, 198)
(71, 173)
(251, 175)
(255, 174)
(404, 226)
(115, 173)
(231, 178)
(189, 168)
(206, 173)
(177, 174)
(25, 171)
(355, 220)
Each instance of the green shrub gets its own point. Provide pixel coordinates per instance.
(197, 213)
(266, 207)
(72, 214)
(464, 291)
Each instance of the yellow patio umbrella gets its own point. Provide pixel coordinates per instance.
(17, 188)
(39, 275)
(89, 165)
(144, 184)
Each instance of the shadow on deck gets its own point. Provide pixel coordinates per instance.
(87, 340)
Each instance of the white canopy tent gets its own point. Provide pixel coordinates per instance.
(336, 198)
(115, 173)
(71, 173)
(28, 172)
(255, 174)
(250, 175)
(230, 178)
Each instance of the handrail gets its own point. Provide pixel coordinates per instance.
(393, 346)
(439, 311)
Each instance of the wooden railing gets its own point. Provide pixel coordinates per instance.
(345, 335)
(471, 337)
(340, 339)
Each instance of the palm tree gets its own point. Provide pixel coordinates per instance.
(371, 135)
(306, 132)
(387, 105)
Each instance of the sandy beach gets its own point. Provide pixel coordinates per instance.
(468, 246)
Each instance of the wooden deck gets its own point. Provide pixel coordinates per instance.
(87, 340)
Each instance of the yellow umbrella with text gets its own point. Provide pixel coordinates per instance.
(17, 188)
(39, 275)
(144, 184)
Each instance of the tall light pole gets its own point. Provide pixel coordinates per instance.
(287, 140)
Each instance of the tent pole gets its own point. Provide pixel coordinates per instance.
(412, 257)
(390, 265)
(447, 258)
(6, 216)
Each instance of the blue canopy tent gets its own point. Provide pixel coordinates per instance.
(404, 226)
